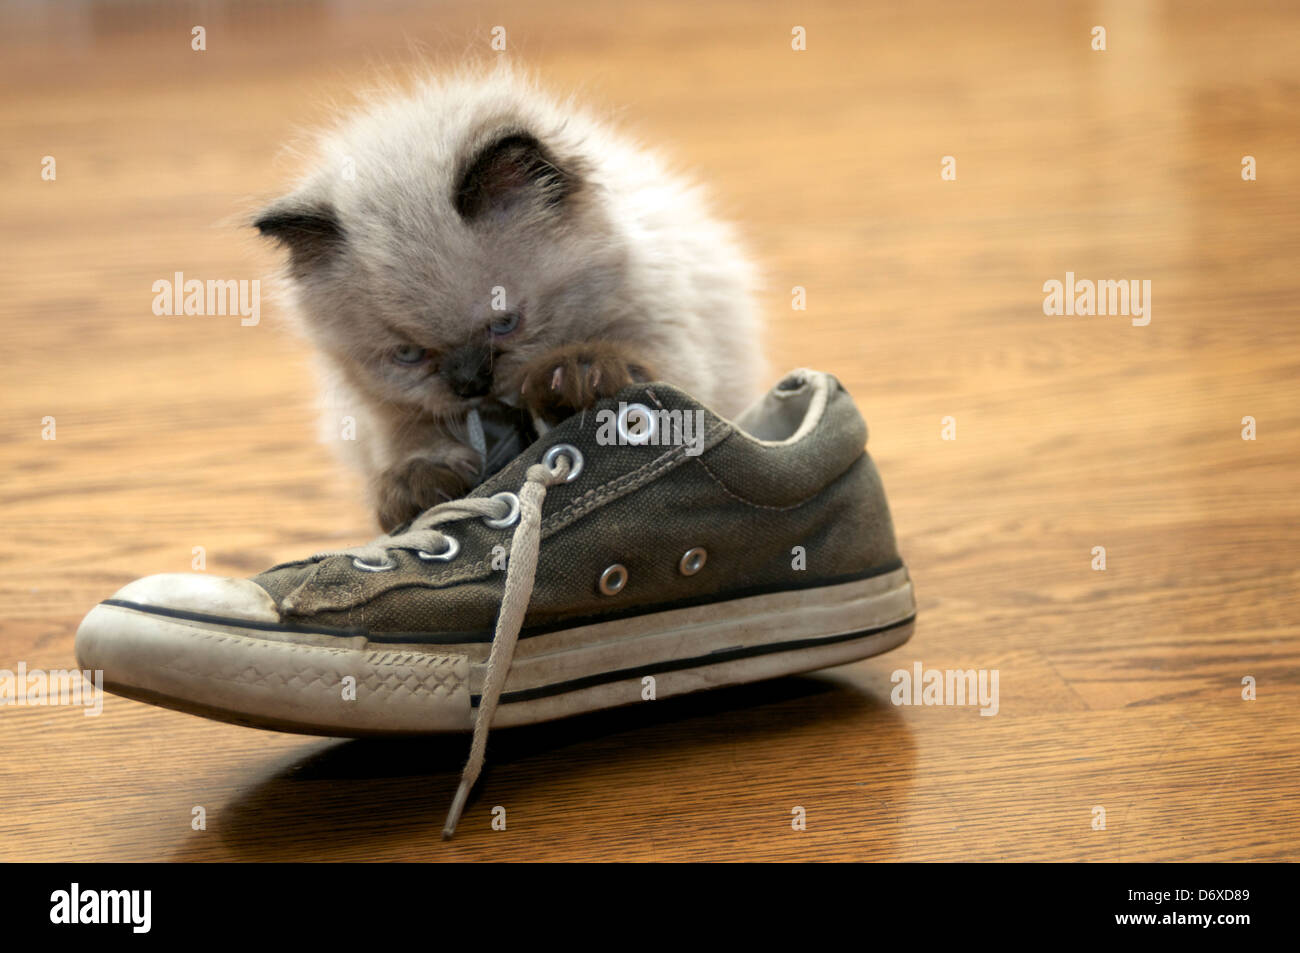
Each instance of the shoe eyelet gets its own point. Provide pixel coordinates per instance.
(651, 425)
(565, 450)
(613, 579)
(368, 567)
(511, 518)
(447, 555)
(693, 561)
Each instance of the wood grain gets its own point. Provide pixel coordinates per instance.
(1118, 689)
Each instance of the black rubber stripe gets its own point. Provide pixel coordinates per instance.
(674, 665)
(486, 635)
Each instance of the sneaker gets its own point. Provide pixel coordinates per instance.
(641, 549)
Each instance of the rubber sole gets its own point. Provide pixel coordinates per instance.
(346, 686)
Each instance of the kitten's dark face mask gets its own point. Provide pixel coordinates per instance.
(468, 370)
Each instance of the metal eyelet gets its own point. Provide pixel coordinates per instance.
(511, 518)
(613, 579)
(565, 450)
(693, 561)
(447, 555)
(367, 567)
(651, 425)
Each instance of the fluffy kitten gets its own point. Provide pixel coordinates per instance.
(476, 243)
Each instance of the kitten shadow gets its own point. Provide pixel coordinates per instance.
(367, 794)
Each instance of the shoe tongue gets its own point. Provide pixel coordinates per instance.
(678, 417)
(505, 432)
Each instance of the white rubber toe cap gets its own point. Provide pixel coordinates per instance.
(201, 644)
(211, 595)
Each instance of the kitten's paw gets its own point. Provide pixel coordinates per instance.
(408, 488)
(573, 378)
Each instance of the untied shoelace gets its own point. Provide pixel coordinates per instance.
(424, 535)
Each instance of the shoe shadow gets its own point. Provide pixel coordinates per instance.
(386, 799)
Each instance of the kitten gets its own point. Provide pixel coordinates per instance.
(475, 243)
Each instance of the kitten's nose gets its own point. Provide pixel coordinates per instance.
(468, 370)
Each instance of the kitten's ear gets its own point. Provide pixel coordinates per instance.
(511, 170)
(309, 229)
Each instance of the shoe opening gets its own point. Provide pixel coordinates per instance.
(789, 410)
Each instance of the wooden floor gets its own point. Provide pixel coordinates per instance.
(1120, 690)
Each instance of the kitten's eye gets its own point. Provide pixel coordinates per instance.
(408, 355)
(503, 324)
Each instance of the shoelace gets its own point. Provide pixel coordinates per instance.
(521, 570)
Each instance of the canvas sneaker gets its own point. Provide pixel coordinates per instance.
(644, 539)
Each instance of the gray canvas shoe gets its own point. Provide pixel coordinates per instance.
(644, 548)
